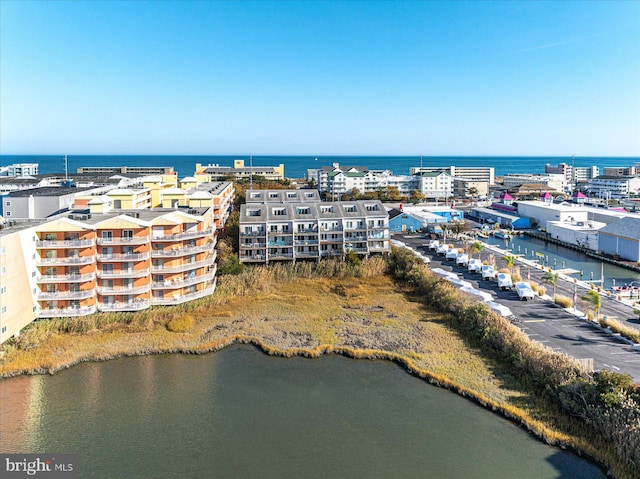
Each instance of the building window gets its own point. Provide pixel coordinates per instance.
(4, 309)
(8, 213)
(4, 329)
(253, 212)
(279, 211)
(303, 210)
(7, 203)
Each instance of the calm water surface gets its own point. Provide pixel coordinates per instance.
(241, 414)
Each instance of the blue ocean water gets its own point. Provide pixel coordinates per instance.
(296, 166)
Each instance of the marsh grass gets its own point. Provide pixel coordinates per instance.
(618, 327)
(563, 301)
(311, 309)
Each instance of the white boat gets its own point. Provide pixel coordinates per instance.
(630, 290)
(504, 281)
(475, 265)
(524, 291)
(488, 272)
(502, 235)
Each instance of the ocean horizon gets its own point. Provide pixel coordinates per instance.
(296, 166)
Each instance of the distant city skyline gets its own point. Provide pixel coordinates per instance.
(320, 78)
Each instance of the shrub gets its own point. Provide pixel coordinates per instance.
(564, 301)
(542, 290)
(181, 324)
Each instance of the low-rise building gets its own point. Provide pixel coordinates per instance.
(78, 264)
(503, 218)
(463, 187)
(239, 171)
(555, 182)
(581, 233)
(541, 212)
(473, 173)
(618, 187)
(291, 231)
(22, 169)
(621, 239)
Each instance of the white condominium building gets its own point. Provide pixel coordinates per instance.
(291, 230)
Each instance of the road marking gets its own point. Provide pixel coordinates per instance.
(545, 341)
(534, 334)
(632, 361)
(534, 321)
(626, 352)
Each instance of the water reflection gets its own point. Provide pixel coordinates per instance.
(240, 413)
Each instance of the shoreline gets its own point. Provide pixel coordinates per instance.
(285, 313)
(516, 415)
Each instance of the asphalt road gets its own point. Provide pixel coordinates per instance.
(545, 322)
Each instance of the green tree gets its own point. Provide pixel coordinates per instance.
(458, 226)
(509, 260)
(594, 298)
(476, 247)
(416, 197)
(551, 278)
(472, 192)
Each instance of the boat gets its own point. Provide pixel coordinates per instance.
(502, 235)
(630, 290)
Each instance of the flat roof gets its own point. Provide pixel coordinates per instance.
(48, 191)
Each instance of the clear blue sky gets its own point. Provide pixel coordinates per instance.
(437, 78)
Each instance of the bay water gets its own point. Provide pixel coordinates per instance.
(239, 413)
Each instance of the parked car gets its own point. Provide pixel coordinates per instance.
(452, 254)
(504, 281)
(488, 272)
(474, 265)
(442, 249)
(524, 290)
(433, 245)
(462, 259)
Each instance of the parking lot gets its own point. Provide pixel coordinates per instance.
(544, 321)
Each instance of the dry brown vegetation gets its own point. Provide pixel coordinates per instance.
(410, 317)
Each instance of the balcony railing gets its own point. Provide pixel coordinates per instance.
(280, 255)
(253, 233)
(181, 236)
(280, 244)
(305, 242)
(255, 244)
(124, 240)
(64, 261)
(331, 228)
(184, 282)
(178, 299)
(331, 253)
(120, 290)
(63, 295)
(307, 254)
(66, 278)
(180, 251)
(253, 257)
(78, 243)
(182, 267)
(352, 237)
(66, 312)
(110, 258)
(118, 273)
(135, 305)
(312, 230)
(280, 233)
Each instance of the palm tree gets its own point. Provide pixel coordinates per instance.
(476, 247)
(551, 278)
(594, 298)
(510, 260)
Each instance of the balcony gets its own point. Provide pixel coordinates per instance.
(352, 237)
(185, 235)
(129, 273)
(355, 228)
(280, 244)
(305, 242)
(135, 305)
(180, 283)
(307, 254)
(255, 244)
(66, 295)
(126, 240)
(331, 253)
(180, 251)
(65, 243)
(312, 230)
(111, 258)
(66, 312)
(183, 267)
(179, 299)
(330, 228)
(66, 278)
(259, 258)
(120, 290)
(280, 255)
(66, 261)
(378, 236)
(253, 233)
(280, 233)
